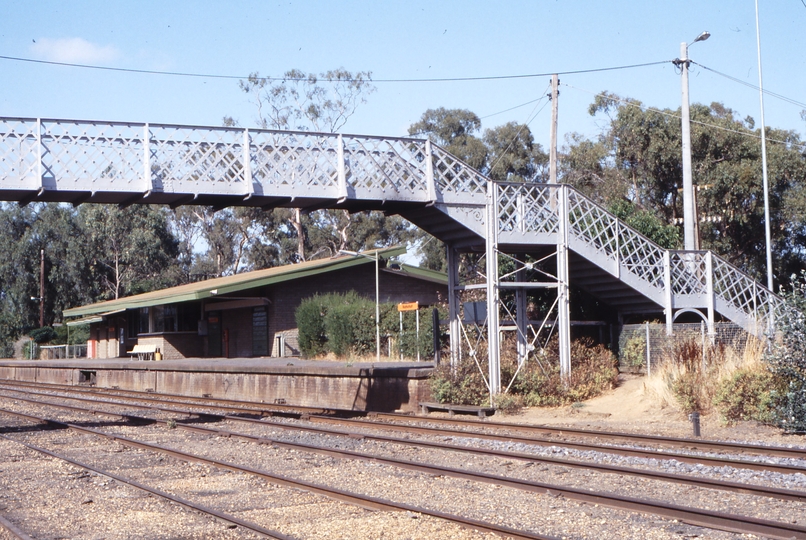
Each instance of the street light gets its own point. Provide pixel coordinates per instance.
(376, 257)
(690, 242)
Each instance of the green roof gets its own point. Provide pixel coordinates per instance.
(249, 280)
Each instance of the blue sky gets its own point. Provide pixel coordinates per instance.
(409, 39)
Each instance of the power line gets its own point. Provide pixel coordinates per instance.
(753, 86)
(515, 107)
(239, 77)
(672, 115)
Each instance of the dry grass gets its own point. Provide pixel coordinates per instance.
(682, 371)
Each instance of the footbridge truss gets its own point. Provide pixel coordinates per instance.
(526, 224)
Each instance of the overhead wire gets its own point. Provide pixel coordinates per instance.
(672, 115)
(530, 118)
(423, 80)
(753, 86)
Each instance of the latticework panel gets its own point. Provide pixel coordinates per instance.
(528, 208)
(395, 166)
(454, 176)
(18, 152)
(745, 294)
(197, 160)
(640, 256)
(89, 156)
(590, 222)
(688, 272)
(300, 160)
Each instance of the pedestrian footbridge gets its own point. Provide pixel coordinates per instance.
(71, 161)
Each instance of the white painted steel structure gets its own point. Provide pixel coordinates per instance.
(127, 163)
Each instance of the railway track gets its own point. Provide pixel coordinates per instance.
(690, 515)
(783, 494)
(492, 431)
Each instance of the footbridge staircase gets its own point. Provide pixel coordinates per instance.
(56, 160)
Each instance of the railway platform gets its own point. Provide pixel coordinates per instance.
(360, 386)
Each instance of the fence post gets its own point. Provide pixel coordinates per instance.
(648, 353)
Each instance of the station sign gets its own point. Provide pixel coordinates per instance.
(408, 306)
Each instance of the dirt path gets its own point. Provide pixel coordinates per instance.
(632, 408)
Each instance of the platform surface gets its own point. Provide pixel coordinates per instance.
(240, 365)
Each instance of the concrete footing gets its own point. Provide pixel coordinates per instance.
(398, 386)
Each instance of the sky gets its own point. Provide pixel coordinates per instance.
(409, 40)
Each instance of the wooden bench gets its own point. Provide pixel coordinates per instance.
(143, 352)
(482, 412)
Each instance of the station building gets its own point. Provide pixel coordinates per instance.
(250, 314)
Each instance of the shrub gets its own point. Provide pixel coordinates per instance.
(749, 394)
(634, 352)
(538, 383)
(310, 316)
(45, 334)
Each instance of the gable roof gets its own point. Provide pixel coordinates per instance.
(249, 280)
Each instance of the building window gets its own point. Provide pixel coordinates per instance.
(138, 321)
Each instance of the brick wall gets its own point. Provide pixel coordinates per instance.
(286, 297)
(175, 345)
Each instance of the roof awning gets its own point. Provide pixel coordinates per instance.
(93, 318)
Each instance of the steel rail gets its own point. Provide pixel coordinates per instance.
(13, 530)
(315, 412)
(223, 516)
(748, 489)
(693, 444)
(372, 503)
(695, 516)
(618, 450)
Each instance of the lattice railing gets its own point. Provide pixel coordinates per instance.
(455, 176)
(19, 155)
(641, 256)
(528, 208)
(746, 294)
(688, 272)
(308, 160)
(397, 165)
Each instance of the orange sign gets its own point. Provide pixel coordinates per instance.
(408, 306)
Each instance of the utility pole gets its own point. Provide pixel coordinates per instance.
(41, 288)
(689, 238)
(555, 83)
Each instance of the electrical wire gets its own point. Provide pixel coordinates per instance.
(753, 86)
(529, 120)
(214, 76)
(672, 115)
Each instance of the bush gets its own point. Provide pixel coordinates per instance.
(749, 394)
(634, 352)
(344, 324)
(310, 316)
(787, 358)
(46, 334)
(539, 383)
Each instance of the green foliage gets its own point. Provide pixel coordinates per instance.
(46, 334)
(634, 352)
(310, 316)
(647, 223)
(787, 358)
(749, 394)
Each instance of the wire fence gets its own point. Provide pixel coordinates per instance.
(644, 346)
(54, 352)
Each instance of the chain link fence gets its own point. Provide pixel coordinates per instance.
(644, 346)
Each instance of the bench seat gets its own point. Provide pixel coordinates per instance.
(143, 352)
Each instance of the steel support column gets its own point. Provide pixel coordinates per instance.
(709, 284)
(521, 317)
(453, 305)
(667, 290)
(493, 345)
(563, 305)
